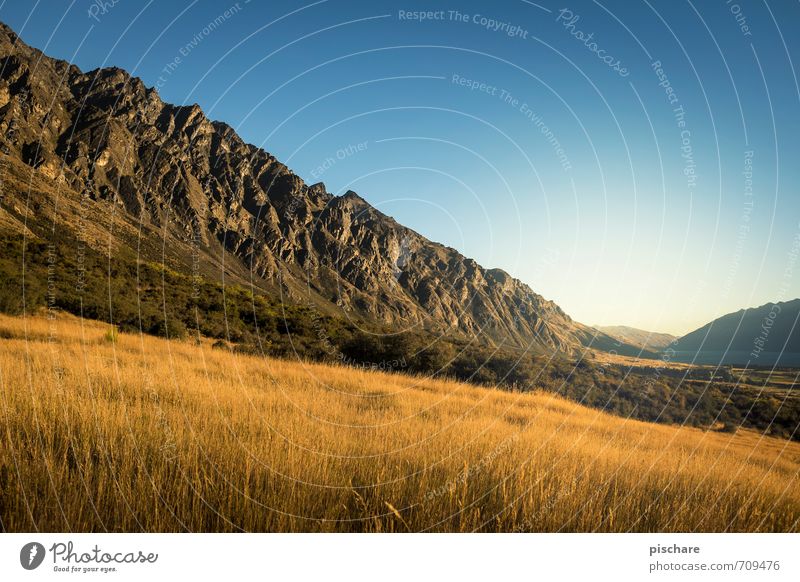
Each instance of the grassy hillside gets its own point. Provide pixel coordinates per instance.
(106, 431)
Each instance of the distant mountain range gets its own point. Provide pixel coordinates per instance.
(768, 335)
(762, 336)
(187, 191)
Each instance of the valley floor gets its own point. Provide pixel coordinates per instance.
(117, 432)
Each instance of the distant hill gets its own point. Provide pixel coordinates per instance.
(764, 336)
(648, 340)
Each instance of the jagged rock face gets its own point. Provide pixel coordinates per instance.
(104, 134)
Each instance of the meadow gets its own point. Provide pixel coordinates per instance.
(109, 431)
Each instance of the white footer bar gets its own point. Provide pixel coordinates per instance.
(402, 557)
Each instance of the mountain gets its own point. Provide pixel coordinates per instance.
(648, 340)
(763, 336)
(99, 157)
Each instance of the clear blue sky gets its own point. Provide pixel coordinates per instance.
(610, 227)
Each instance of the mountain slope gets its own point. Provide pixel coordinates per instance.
(648, 340)
(115, 167)
(765, 335)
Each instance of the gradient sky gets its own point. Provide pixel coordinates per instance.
(611, 228)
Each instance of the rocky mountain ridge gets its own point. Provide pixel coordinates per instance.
(168, 180)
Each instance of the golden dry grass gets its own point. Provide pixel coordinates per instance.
(146, 434)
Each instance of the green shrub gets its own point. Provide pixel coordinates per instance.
(112, 334)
